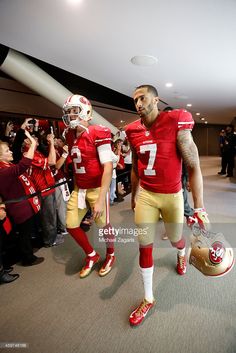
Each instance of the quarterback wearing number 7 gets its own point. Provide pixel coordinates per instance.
(159, 142)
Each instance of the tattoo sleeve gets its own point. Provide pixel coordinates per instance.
(187, 148)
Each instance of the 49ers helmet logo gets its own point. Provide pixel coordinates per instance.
(216, 252)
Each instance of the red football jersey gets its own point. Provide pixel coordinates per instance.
(159, 163)
(83, 151)
(41, 173)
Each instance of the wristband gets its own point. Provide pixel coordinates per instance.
(200, 209)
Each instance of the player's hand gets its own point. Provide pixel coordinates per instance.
(201, 218)
(98, 209)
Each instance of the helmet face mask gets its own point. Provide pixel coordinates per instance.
(76, 109)
(211, 254)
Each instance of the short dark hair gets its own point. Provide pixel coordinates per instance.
(60, 137)
(150, 88)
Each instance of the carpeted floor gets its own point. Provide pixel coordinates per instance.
(49, 309)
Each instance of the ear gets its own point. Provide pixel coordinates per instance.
(156, 99)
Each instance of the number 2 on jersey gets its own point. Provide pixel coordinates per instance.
(77, 160)
(152, 149)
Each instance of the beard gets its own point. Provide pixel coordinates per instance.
(147, 111)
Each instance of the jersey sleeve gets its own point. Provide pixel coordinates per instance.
(185, 120)
(102, 136)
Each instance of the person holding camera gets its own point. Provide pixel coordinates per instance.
(16, 189)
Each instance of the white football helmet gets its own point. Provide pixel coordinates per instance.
(210, 253)
(84, 110)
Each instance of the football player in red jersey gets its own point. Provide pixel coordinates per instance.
(90, 151)
(159, 141)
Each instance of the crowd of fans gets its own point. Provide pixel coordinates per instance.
(35, 185)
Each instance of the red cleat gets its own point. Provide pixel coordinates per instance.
(181, 265)
(139, 314)
(90, 262)
(107, 265)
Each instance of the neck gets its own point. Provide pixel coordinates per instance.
(5, 162)
(150, 119)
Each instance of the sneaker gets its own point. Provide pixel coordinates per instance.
(181, 265)
(107, 265)
(59, 240)
(90, 262)
(139, 314)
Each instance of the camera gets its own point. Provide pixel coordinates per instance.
(32, 122)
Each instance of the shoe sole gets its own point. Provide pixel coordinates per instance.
(181, 274)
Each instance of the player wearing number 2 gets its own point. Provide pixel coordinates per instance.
(159, 141)
(90, 151)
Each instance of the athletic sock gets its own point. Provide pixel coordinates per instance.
(181, 252)
(147, 275)
(81, 238)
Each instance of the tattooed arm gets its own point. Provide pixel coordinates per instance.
(189, 153)
(134, 179)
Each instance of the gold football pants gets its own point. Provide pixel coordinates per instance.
(148, 208)
(74, 215)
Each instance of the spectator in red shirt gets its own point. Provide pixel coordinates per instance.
(42, 176)
(15, 184)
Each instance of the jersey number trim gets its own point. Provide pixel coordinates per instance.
(152, 149)
(77, 160)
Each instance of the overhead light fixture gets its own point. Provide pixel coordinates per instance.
(74, 1)
(202, 119)
(169, 84)
(144, 60)
(206, 122)
(198, 113)
(189, 105)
